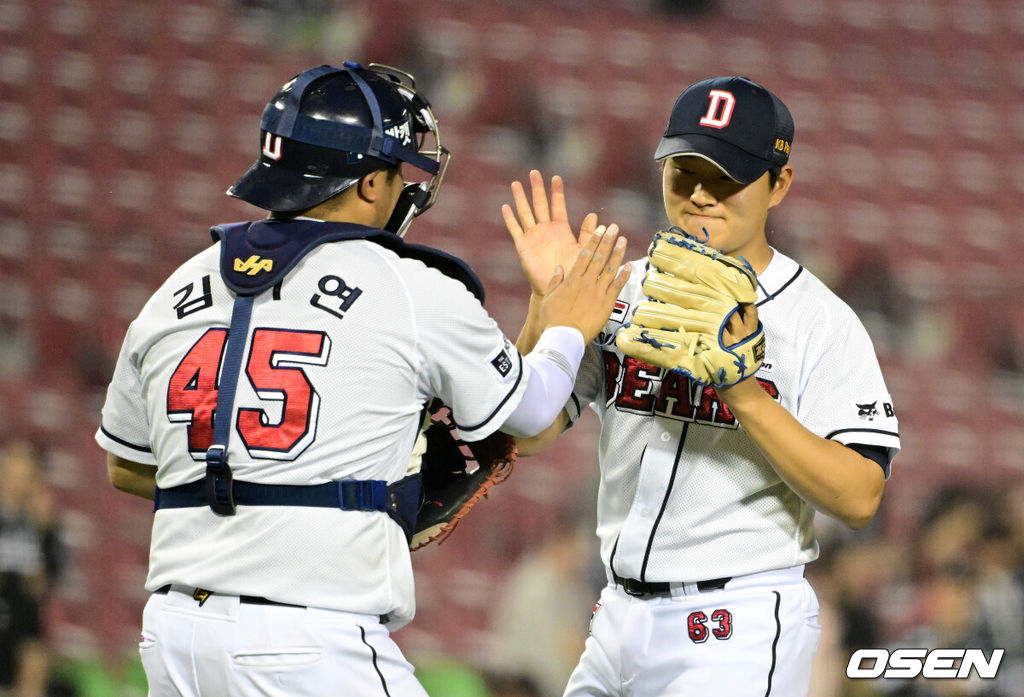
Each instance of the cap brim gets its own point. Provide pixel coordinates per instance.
(737, 163)
(278, 189)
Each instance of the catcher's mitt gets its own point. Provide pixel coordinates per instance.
(693, 290)
(456, 474)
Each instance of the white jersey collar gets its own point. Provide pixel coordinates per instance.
(779, 273)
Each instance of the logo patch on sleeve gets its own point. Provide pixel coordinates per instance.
(502, 361)
(620, 311)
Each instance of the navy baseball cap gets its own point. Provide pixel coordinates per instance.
(734, 123)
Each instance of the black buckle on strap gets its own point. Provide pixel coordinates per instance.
(219, 480)
(363, 495)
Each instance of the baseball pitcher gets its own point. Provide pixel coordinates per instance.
(737, 397)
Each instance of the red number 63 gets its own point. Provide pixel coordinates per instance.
(697, 625)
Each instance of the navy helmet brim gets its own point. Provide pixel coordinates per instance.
(286, 191)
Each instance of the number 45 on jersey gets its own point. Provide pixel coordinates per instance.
(274, 369)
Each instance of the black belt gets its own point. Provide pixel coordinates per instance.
(631, 586)
(200, 596)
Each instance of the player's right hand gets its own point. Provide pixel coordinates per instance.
(542, 234)
(584, 297)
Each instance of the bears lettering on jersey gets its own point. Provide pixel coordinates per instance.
(641, 388)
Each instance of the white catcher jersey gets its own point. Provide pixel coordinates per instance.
(338, 365)
(685, 494)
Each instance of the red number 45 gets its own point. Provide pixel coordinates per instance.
(273, 369)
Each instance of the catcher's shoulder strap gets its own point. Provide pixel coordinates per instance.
(255, 256)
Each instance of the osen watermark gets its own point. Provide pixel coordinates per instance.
(938, 664)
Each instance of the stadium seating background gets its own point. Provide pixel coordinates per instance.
(122, 123)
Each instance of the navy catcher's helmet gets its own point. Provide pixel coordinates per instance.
(328, 127)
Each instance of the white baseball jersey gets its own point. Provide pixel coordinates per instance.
(339, 362)
(685, 495)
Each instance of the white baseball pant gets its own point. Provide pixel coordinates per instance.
(228, 648)
(756, 637)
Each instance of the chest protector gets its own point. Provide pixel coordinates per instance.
(277, 246)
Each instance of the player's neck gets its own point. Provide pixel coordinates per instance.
(758, 255)
(358, 215)
(762, 259)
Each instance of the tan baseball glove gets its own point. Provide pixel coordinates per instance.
(693, 290)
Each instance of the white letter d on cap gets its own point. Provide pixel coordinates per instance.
(720, 109)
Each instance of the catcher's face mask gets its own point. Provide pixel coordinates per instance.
(420, 193)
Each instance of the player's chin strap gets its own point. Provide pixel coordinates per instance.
(218, 489)
(413, 199)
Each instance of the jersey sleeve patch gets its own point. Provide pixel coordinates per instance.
(502, 362)
(468, 431)
(869, 411)
(620, 312)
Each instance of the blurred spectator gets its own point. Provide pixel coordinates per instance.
(685, 9)
(956, 582)
(850, 579)
(286, 8)
(540, 623)
(871, 288)
(951, 530)
(31, 560)
(16, 345)
(999, 593)
(512, 685)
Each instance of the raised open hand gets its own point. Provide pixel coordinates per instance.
(542, 234)
(584, 296)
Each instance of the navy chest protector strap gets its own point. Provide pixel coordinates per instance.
(257, 256)
(246, 246)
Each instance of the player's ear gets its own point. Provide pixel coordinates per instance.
(781, 187)
(371, 186)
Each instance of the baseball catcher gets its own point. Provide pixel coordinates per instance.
(267, 397)
(694, 291)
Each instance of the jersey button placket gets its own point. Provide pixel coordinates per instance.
(655, 474)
